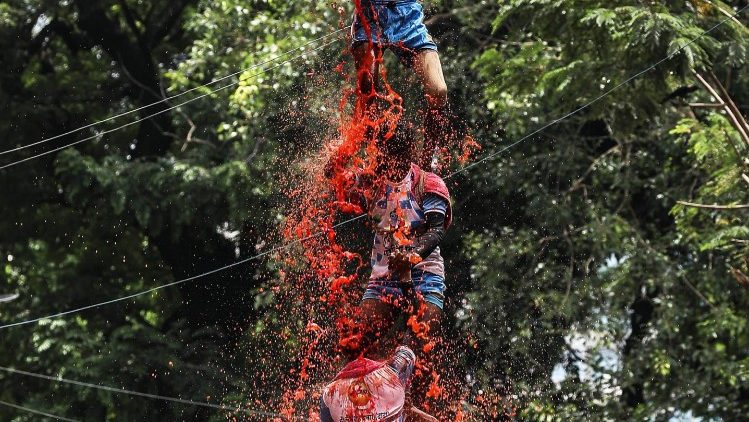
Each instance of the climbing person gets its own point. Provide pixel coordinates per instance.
(369, 390)
(410, 212)
(398, 25)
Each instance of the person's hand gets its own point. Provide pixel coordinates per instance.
(414, 414)
(399, 264)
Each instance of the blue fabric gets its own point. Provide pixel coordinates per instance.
(325, 412)
(397, 25)
(434, 203)
(430, 286)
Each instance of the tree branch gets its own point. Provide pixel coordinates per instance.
(730, 103)
(697, 292)
(705, 105)
(726, 13)
(157, 32)
(133, 24)
(726, 103)
(578, 183)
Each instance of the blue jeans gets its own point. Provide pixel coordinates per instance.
(430, 286)
(397, 25)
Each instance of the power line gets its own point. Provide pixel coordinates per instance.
(259, 413)
(37, 412)
(14, 163)
(361, 216)
(184, 280)
(598, 98)
(166, 99)
(234, 409)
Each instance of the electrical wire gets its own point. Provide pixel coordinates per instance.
(287, 245)
(37, 412)
(175, 283)
(631, 78)
(100, 134)
(234, 409)
(213, 82)
(598, 98)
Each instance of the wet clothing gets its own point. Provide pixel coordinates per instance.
(367, 390)
(431, 287)
(427, 242)
(396, 24)
(400, 216)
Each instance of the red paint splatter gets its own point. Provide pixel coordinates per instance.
(324, 279)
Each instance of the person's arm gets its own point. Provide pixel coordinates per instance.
(435, 210)
(403, 364)
(418, 415)
(325, 415)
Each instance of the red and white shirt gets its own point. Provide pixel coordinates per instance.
(366, 390)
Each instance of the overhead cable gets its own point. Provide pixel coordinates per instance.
(174, 283)
(37, 412)
(234, 409)
(598, 98)
(287, 245)
(100, 134)
(166, 99)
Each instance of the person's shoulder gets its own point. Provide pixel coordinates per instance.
(430, 179)
(434, 184)
(330, 389)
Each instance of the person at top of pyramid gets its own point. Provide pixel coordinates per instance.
(398, 25)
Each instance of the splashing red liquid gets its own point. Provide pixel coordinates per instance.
(326, 280)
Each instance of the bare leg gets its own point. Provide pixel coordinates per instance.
(437, 124)
(431, 318)
(377, 319)
(429, 70)
(367, 69)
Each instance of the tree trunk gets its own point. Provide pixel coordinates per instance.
(137, 60)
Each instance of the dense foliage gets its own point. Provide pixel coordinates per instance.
(586, 290)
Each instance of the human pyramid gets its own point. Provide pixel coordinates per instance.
(410, 210)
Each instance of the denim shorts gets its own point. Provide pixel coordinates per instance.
(397, 25)
(430, 286)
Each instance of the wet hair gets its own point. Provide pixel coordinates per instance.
(401, 143)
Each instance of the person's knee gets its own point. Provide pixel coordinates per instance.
(432, 317)
(437, 94)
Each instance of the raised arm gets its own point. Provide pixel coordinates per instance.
(325, 415)
(403, 364)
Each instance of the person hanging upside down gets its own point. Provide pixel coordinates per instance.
(368, 390)
(398, 25)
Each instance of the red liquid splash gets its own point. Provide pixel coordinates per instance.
(325, 280)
